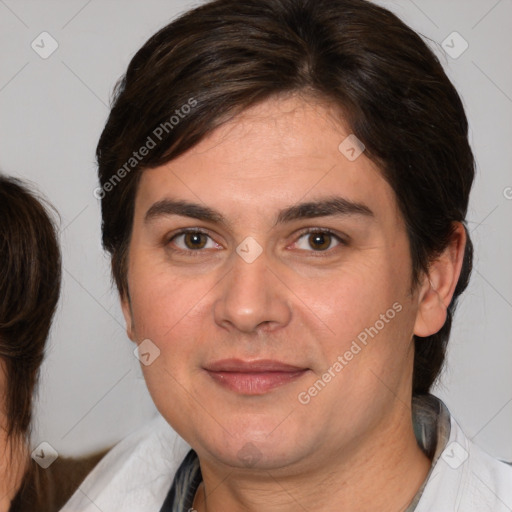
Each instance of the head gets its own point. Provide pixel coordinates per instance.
(29, 288)
(244, 108)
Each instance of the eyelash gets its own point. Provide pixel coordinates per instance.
(323, 231)
(190, 252)
(198, 252)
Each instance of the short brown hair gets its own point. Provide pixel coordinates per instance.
(229, 55)
(29, 290)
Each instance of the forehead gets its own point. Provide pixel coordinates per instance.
(279, 152)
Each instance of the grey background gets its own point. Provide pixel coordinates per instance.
(51, 114)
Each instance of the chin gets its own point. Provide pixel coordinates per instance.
(262, 447)
(255, 456)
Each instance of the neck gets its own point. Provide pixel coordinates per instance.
(383, 473)
(13, 466)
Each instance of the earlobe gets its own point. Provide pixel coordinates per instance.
(438, 286)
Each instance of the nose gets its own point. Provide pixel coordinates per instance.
(252, 297)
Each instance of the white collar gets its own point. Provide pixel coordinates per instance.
(137, 473)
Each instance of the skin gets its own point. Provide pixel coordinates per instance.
(352, 447)
(13, 455)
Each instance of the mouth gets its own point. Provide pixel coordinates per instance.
(253, 377)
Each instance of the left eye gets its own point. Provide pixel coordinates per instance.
(318, 240)
(193, 240)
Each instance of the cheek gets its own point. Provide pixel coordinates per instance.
(368, 311)
(354, 298)
(161, 301)
(172, 313)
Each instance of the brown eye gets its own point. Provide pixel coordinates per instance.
(320, 241)
(191, 242)
(195, 240)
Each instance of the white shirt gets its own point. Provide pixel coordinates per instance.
(136, 475)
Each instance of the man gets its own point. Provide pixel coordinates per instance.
(284, 186)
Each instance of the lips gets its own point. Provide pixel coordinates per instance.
(253, 377)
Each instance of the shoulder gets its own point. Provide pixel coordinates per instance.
(467, 478)
(135, 475)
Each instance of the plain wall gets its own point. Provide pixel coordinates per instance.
(52, 112)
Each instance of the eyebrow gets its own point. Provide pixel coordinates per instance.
(330, 206)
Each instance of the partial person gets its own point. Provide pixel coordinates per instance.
(30, 283)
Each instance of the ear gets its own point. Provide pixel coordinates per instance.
(438, 286)
(126, 307)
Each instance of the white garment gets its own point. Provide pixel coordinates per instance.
(467, 479)
(135, 476)
(137, 473)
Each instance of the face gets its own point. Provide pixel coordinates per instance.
(272, 274)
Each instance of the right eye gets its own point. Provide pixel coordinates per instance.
(192, 240)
